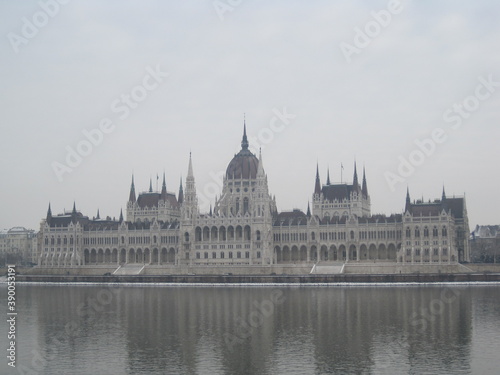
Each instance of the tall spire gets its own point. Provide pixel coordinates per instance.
(98, 216)
(244, 141)
(355, 183)
(260, 168)
(328, 177)
(121, 216)
(180, 198)
(164, 188)
(190, 167)
(308, 210)
(150, 185)
(49, 213)
(190, 201)
(132, 191)
(408, 201)
(317, 187)
(443, 196)
(364, 189)
(73, 213)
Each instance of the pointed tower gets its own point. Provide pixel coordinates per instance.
(317, 186)
(328, 177)
(49, 215)
(150, 185)
(443, 196)
(408, 201)
(364, 188)
(131, 197)
(355, 184)
(98, 216)
(180, 198)
(190, 206)
(260, 168)
(308, 210)
(163, 189)
(121, 216)
(74, 213)
(244, 141)
(262, 204)
(132, 202)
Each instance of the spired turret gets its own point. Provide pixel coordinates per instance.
(131, 197)
(152, 205)
(333, 201)
(189, 208)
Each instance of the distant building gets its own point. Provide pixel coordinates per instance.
(19, 244)
(485, 244)
(245, 227)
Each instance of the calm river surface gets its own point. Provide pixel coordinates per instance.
(68, 329)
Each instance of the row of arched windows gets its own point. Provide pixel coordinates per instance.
(435, 232)
(217, 234)
(60, 240)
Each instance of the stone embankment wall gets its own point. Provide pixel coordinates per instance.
(271, 279)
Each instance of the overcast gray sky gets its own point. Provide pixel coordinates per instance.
(320, 81)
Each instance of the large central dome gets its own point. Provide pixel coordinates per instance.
(244, 164)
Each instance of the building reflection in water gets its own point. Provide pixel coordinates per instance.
(252, 330)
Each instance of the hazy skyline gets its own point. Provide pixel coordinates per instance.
(319, 83)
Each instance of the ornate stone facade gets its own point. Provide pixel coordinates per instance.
(245, 227)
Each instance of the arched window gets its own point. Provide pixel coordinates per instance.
(435, 232)
(245, 205)
(197, 234)
(444, 232)
(426, 232)
(237, 205)
(417, 232)
(408, 232)
(186, 237)
(258, 235)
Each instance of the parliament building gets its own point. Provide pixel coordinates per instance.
(245, 228)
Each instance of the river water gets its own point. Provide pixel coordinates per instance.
(127, 329)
